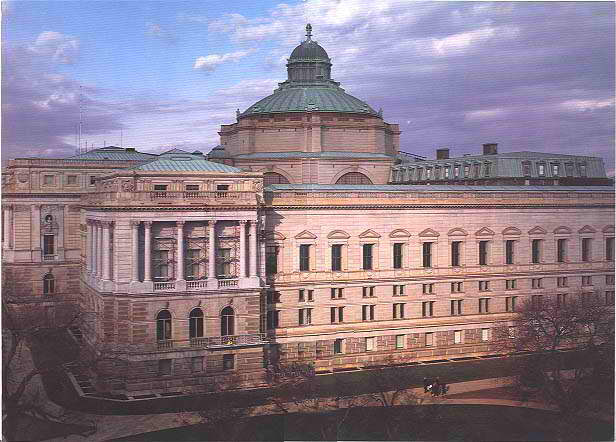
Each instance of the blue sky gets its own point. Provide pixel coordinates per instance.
(528, 75)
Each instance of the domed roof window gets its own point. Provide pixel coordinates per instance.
(354, 178)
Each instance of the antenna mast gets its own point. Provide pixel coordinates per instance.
(80, 122)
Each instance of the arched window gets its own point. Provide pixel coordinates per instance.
(195, 323)
(273, 178)
(163, 326)
(227, 322)
(353, 178)
(49, 284)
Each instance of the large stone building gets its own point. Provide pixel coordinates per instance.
(288, 242)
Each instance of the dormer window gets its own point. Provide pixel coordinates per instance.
(582, 167)
(526, 168)
(486, 169)
(541, 169)
(555, 170)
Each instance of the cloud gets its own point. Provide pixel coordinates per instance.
(61, 48)
(210, 62)
(156, 30)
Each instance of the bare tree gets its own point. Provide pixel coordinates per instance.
(545, 327)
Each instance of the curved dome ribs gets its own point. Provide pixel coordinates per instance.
(309, 86)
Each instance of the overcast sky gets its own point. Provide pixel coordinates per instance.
(528, 75)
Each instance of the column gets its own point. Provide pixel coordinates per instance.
(89, 247)
(99, 252)
(93, 260)
(106, 226)
(180, 256)
(242, 256)
(147, 261)
(253, 248)
(211, 260)
(7, 226)
(135, 249)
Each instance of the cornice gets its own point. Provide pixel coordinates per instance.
(440, 206)
(43, 195)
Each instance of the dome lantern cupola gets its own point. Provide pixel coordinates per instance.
(309, 62)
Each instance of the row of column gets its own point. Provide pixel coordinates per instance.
(98, 255)
(147, 274)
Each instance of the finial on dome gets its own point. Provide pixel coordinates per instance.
(308, 31)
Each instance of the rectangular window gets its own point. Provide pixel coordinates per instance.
(582, 168)
(437, 173)
(161, 264)
(336, 257)
(456, 171)
(456, 307)
(555, 170)
(609, 297)
(367, 312)
(193, 268)
(71, 180)
(485, 334)
(457, 337)
(484, 286)
(509, 251)
(92, 180)
(476, 168)
(191, 187)
(224, 262)
(586, 280)
(447, 172)
(419, 174)
(337, 314)
(338, 346)
(427, 309)
(273, 317)
(196, 364)
(400, 341)
(541, 169)
(302, 295)
(609, 249)
(609, 279)
(526, 168)
(228, 362)
(569, 169)
(398, 255)
(398, 290)
(164, 367)
(428, 173)
(271, 260)
(467, 170)
(160, 187)
(561, 299)
(536, 251)
(483, 253)
(336, 293)
(457, 287)
(486, 169)
(484, 305)
(428, 288)
(510, 284)
(49, 180)
(510, 302)
(429, 339)
(586, 249)
(427, 254)
(367, 292)
(370, 344)
(367, 256)
(49, 245)
(536, 283)
(455, 253)
(222, 187)
(561, 250)
(537, 301)
(398, 311)
(304, 258)
(562, 281)
(305, 316)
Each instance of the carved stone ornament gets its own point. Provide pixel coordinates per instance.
(257, 186)
(230, 301)
(22, 177)
(128, 186)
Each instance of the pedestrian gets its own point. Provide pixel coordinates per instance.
(426, 384)
(436, 385)
(444, 388)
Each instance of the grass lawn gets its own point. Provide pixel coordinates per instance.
(443, 422)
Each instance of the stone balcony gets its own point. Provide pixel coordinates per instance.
(210, 342)
(171, 198)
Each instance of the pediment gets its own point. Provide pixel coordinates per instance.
(270, 234)
(305, 235)
(484, 231)
(512, 231)
(369, 234)
(457, 232)
(429, 232)
(399, 233)
(587, 229)
(562, 230)
(537, 230)
(338, 234)
(608, 229)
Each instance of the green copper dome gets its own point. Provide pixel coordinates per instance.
(309, 86)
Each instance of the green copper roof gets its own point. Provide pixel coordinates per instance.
(183, 162)
(113, 153)
(319, 98)
(430, 189)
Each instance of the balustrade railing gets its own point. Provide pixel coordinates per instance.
(164, 286)
(194, 285)
(166, 195)
(227, 283)
(213, 342)
(165, 345)
(49, 257)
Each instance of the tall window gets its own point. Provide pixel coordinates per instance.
(49, 284)
(271, 260)
(427, 254)
(304, 257)
(163, 326)
(193, 259)
(526, 168)
(273, 318)
(195, 323)
(337, 257)
(367, 256)
(561, 250)
(586, 249)
(305, 316)
(427, 308)
(483, 253)
(398, 255)
(510, 303)
(398, 310)
(536, 251)
(456, 307)
(367, 312)
(224, 262)
(49, 245)
(609, 249)
(509, 251)
(161, 264)
(338, 346)
(337, 314)
(484, 305)
(455, 253)
(227, 322)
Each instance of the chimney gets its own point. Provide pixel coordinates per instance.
(442, 154)
(490, 149)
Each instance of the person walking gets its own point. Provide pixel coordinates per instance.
(436, 385)
(426, 384)
(444, 388)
